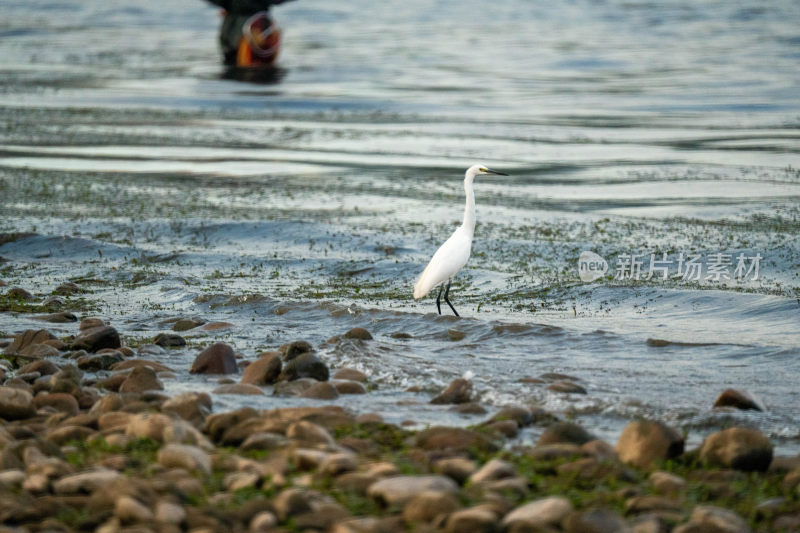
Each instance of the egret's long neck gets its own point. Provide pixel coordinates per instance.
(469, 208)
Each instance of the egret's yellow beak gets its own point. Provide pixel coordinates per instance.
(490, 171)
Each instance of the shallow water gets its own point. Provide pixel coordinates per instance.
(305, 207)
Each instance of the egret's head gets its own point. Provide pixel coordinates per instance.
(476, 170)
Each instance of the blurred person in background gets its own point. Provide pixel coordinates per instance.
(248, 36)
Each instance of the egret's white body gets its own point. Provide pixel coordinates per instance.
(454, 253)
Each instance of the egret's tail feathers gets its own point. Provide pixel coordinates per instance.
(424, 284)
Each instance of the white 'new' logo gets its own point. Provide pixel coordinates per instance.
(591, 266)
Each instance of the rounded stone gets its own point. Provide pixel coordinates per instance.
(359, 334)
(184, 456)
(306, 365)
(545, 511)
(566, 387)
(323, 390)
(475, 520)
(16, 404)
(141, 379)
(459, 391)
(169, 340)
(738, 399)
(349, 387)
(218, 358)
(350, 374)
(565, 433)
(60, 401)
(239, 388)
(400, 490)
(427, 505)
(738, 448)
(644, 442)
(97, 338)
(264, 370)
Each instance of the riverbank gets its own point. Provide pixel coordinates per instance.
(90, 441)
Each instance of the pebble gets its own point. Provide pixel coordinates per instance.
(85, 481)
(475, 520)
(401, 489)
(184, 456)
(16, 404)
(427, 505)
(458, 469)
(128, 510)
(666, 483)
(308, 432)
(493, 470)
(169, 513)
(545, 511)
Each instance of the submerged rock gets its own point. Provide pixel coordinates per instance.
(169, 340)
(58, 318)
(97, 338)
(291, 350)
(216, 359)
(350, 374)
(738, 399)
(141, 379)
(323, 390)
(185, 324)
(359, 334)
(459, 391)
(28, 338)
(306, 365)
(264, 370)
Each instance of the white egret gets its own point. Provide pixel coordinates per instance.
(454, 253)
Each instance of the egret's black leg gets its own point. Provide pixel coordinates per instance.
(446, 292)
(438, 300)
